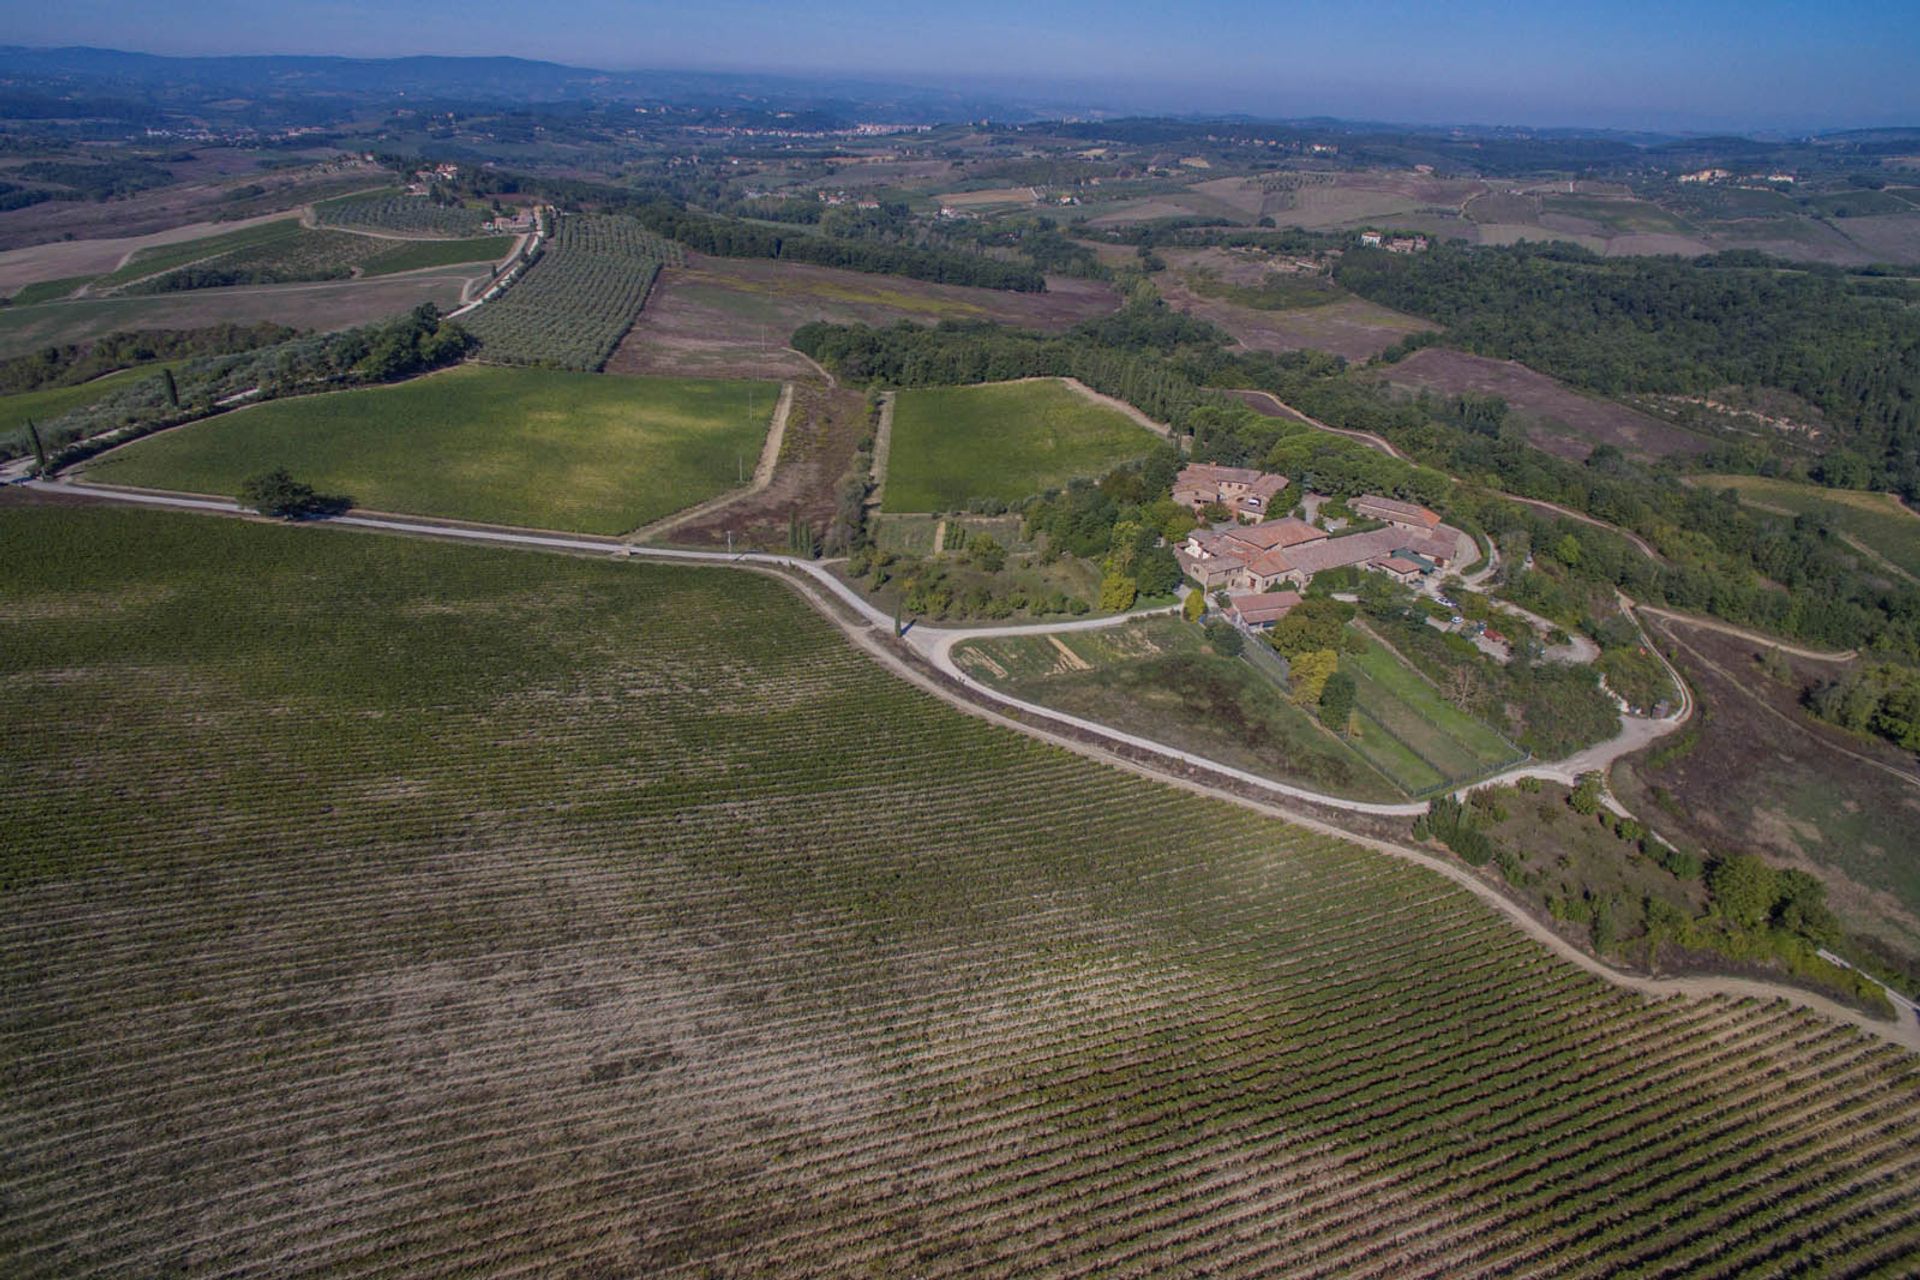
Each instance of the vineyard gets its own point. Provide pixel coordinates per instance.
(391, 908)
(300, 254)
(579, 299)
(401, 215)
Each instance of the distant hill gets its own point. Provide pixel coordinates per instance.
(495, 80)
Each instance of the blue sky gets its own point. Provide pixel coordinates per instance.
(1701, 64)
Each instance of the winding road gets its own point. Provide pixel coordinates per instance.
(934, 646)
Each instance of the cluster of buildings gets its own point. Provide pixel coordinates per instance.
(1393, 244)
(1264, 565)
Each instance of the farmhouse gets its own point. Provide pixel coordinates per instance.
(1406, 515)
(1260, 610)
(1267, 558)
(1407, 244)
(1371, 239)
(1241, 490)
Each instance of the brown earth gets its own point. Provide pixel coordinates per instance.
(1559, 420)
(1765, 776)
(65, 258)
(331, 304)
(1350, 327)
(203, 192)
(732, 317)
(824, 428)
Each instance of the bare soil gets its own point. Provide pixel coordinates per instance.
(1351, 327)
(1764, 775)
(204, 191)
(733, 317)
(824, 428)
(64, 258)
(1559, 420)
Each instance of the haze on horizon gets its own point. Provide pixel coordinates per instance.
(1737, 65)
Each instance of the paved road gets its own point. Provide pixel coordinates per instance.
(929, 641)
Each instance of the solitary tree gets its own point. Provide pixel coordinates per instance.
(277, 493)
(1309, 672)
(1744, 889)
(39, 446)
(1336, 701)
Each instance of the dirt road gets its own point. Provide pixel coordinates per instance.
(872, 631)
(762, 477)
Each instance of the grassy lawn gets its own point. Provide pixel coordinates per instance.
(1157, 678)
(1413, 734)
(507, 446)
(952, 445)
(1875, 519)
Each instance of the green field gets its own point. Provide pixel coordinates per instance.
(952, 445)
(46, 290)
(1156, 678)
(1412, 734)
(419, 254)
(44, 406)
(1875, 519)
(167, 257)
(507, 446)
(384, 908)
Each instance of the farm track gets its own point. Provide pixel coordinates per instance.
(593, 972)
(860, 621)
(761, 478)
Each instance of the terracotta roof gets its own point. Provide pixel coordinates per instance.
(1394, 507)
(1207, 473)
(1395, 564)
(1288, 532)
(1261, 607)
(1442, 544)
(1270, 564)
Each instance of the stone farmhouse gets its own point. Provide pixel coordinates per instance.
(1241, 490)
(1278, 555)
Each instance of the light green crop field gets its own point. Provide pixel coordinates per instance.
(1411, 733)
(381, 908)
(507, 446)
(1876, 519)
(46, 290)
(417, 254)
(952, 445)
(1156, 678)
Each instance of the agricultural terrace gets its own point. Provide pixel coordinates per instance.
(731, 317)
(49, 403)
(534, 911)
(396, 213)
(285, 252)
(1158, 679)
(506, 446)
(1412, 734)
(954, 446)
(323, 305)
(1877, 521)
(578, 300)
